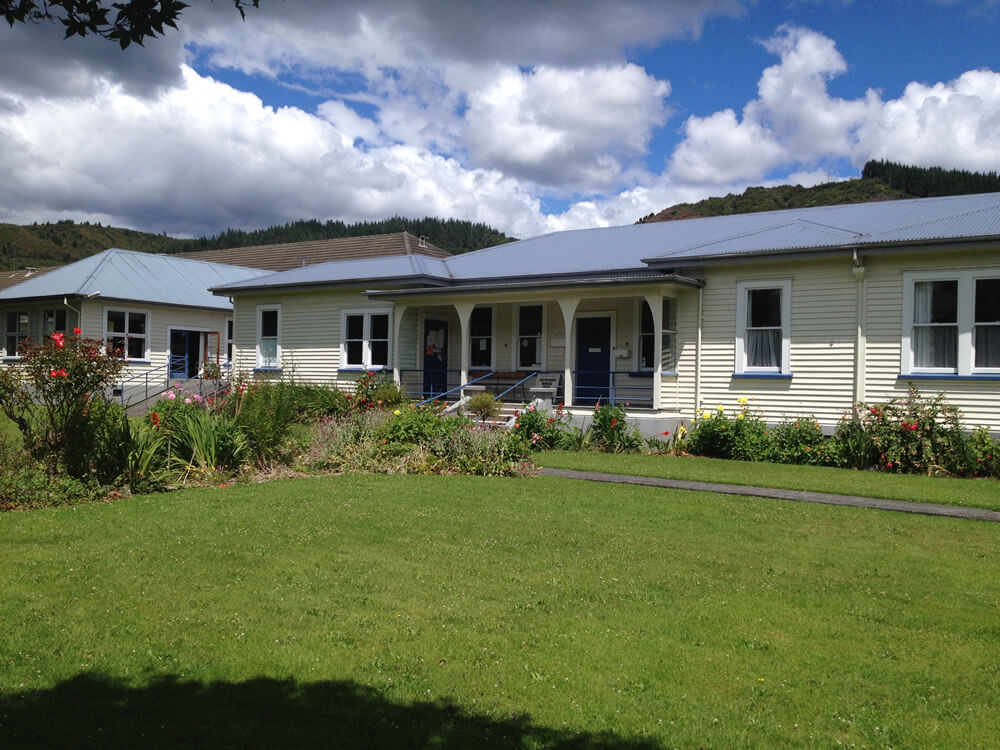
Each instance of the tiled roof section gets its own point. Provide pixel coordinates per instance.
(289, 255)
(9, 278)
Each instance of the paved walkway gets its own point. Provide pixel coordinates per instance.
(902, 506)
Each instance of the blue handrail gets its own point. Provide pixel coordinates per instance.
(519, 382)
(457, 388)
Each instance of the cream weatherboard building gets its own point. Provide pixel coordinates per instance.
(157, 308)
(805, 311)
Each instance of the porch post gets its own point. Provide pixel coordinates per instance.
(568, 306)
(464, 310)
(397, 324)
(655, 302)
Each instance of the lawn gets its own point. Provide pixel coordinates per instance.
(366, 611)
(976, 493)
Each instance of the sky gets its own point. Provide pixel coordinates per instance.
(527, 115)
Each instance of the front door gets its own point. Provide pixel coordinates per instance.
(185, 353)
(435, 357)
(593, 361)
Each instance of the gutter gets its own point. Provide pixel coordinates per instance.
(543, 284)
(891, 247)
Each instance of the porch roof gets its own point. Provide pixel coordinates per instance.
(644, 277)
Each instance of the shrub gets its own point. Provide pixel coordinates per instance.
(264, 413)
(414, 440)
(26, 484)
(208, 442)
(483, 405)
(611, 432)
(49, 394)
(916, 434)
(799, 442)
(372, 391)
(983, 454)
(542, 430)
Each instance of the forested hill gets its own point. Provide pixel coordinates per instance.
(66, 241)
(880, 181)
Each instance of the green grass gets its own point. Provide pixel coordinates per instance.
(976, 493)
(364, 611)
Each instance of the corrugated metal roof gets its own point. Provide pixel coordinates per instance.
(677, 244)
(289, 255)
(137, 277)
(347, 272)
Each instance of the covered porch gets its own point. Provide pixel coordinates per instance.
(616, 343)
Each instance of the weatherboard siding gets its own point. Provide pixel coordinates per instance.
(822, 341)
(160, 319)
(978, 400)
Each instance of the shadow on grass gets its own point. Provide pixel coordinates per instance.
(95, 711)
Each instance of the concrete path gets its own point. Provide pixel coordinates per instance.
(902, 506)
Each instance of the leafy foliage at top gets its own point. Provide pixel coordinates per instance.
(453, 235)
(67, 241)
(880, 181)
(133, 22)
(921, 183)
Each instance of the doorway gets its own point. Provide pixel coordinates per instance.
(593, 361)
(435, 357)
(185, 353)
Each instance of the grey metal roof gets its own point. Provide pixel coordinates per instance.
(346, 272)
(137, 277)
(677, 244)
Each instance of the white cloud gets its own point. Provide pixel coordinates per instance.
(572, 129)
(795, 124)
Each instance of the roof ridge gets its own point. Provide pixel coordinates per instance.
(107, 254)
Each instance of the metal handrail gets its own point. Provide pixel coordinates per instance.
(456, 388)
(519, 382)
(172, 361)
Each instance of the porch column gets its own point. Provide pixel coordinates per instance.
(655, 302)
(568, 306)
(464, 310)
(397, 324)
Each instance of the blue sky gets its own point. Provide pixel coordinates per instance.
(532, 117)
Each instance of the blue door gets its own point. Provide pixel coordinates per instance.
(593, 361)
(185, 347)
(435, 357)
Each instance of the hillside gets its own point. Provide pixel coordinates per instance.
(756, 199)
(880, 181)
(63, 242)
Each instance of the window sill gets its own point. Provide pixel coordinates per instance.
(761, 376)
(985, 376)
